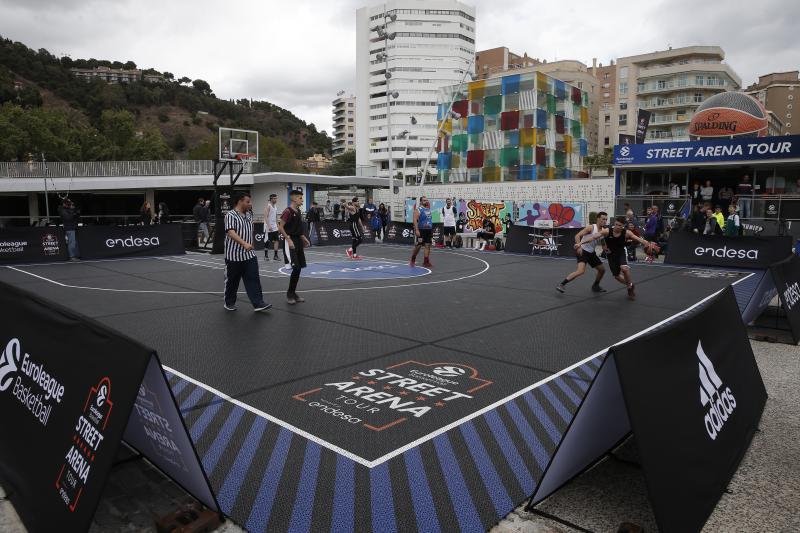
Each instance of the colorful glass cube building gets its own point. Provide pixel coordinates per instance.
(516, 127)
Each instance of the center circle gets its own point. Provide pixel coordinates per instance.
(365, 269)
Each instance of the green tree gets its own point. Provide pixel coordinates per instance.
(119, 127)
(345, 164)
(149, 146)
(202, 86)
(276, 154)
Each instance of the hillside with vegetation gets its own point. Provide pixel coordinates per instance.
(46, 110)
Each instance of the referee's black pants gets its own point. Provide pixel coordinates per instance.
(246, 271)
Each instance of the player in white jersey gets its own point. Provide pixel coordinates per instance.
(586, 255)
(448, 214)
(271, 233)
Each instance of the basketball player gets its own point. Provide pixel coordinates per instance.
(615, 239)
(354, 216)
(423, 230)
(271, 227)
(294, 243)
(586, 255)
(449, 223)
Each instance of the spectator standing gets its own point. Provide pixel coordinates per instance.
(630, 244)
(711, 227)
(383, 214)
(146, 214)
(630, 219)
(674, 190)
(163, 213)
(70, 217)
(368, 211)
(707, 192)
(744, 196)
(201, 216)
(652, 226)
(733, 224)
(313, 218)
(698, 219)
(695, 193)
(241, 263)
(720, 217)
(328, 210)
(507, 223)
(725, 196)
(336, 210)
(449, 223)
(343, 209)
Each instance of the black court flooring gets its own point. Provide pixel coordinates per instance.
(380, 362)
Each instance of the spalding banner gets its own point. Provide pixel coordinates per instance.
(754, 252)
(33, 245)
(101, 242)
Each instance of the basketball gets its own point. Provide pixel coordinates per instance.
(729, 114)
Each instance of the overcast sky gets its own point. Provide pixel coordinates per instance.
(298, 54)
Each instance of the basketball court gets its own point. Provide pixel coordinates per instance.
(394, 395)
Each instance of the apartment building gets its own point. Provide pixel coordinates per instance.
(778, 93)
(344, 124)
(406, 51)
(670, 84)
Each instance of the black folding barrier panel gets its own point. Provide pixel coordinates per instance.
(337, 232)
(694, 397)
(103, 242)
(66, 397)
(399, 233)
(786, 276)
(555, 242)
(32, 245)
(687, 248)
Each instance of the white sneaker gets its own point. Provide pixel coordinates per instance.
(350, 253)
(229, 307)
(483, 245)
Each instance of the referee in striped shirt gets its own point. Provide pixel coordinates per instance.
(240, 256)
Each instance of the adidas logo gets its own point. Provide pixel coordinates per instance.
(721, 403)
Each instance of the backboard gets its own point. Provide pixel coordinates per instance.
(238, 145)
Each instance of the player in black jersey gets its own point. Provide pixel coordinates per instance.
(615, 240)
(290, 224)
(354, 217)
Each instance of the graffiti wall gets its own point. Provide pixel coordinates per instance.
(565, 215)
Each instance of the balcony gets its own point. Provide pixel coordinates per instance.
(653, 88)
(672, 102)
(670, 119)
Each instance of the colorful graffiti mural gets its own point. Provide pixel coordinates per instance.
(565, 215)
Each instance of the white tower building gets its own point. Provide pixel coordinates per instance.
(426, 44)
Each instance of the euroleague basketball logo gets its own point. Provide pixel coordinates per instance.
(337, 233)
(406, 233)
(449, 371)
(625, 151)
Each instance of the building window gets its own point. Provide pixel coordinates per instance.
(623, 119)
(623, 105)
(608, 118)
(698, 80)
(640, 87)
(606, 141)
(605, 76)
(623, 73)
(606, 95)
(606, 85)
(698, 97)
(623, 87)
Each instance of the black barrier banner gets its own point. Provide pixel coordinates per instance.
(157, 431)
(786, 276)
(101, 242)
(694, 397)
(642, 122)
(749, 252)
(555, 242)
(65, 397)
(333, 232)
(399, 233)
(41, 244)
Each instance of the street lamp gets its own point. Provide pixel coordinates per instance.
(386, 36)
(450, 113)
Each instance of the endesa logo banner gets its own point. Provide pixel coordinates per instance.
(101, 242)
(65, 399)
(694, 397)
(754, 252)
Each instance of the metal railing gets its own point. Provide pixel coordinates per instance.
(100, 169)
(92, 169)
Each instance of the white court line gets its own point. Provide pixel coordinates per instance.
(434, 434)
(399, 261)
(267, 416)
(218, 266)
(66, 285)
(448, 427)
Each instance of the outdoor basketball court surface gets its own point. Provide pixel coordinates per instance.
(392, 398)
